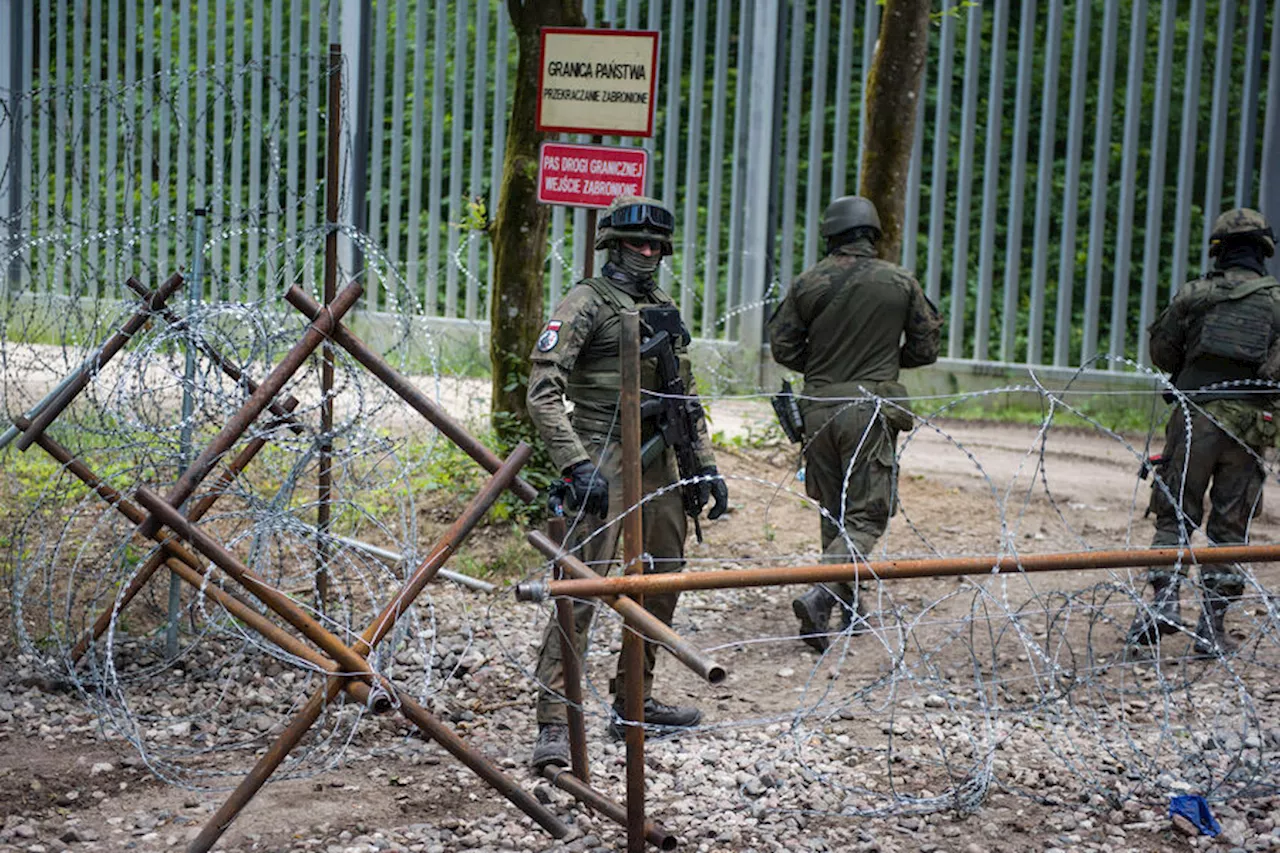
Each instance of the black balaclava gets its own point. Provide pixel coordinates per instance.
(638, 267)
(1248, 253)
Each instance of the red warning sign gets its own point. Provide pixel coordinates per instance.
(589, 175)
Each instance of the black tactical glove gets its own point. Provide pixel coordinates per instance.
(713, 489)
(583, 487)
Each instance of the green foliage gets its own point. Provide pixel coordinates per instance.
(1120, 413)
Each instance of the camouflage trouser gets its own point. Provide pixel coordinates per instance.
(849, 471)
(1209, 459)
(665, 526)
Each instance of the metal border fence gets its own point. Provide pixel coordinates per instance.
(1069, 159)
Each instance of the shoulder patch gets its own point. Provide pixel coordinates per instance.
(550, 337)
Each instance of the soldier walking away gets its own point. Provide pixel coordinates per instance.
(1218, 342)
(850, 324)
(577, 359)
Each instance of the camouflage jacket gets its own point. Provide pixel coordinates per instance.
(843, 323)
(576, 359)
(1195, 357)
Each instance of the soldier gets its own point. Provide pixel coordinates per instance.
(1214, 340)
(849, 324)
(576, 358)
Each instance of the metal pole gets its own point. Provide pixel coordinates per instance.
(194, 295)
(633, 565)
(882, 570)
(1269, 185)
(584, 793)
(571, 665)
(17, 62)
(325, 475)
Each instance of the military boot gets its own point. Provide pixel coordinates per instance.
(552, 746)
(1211, 637)
(657, 714)
(1162, 618)
(813, 609)
(854, 616)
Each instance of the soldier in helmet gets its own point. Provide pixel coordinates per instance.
(849, 324)
(1214, 339)
(576, 359)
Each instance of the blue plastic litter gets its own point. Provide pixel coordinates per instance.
(1195, 809)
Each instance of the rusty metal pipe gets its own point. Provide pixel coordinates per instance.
(315, 334)
(280, 410)
(1005, 564)
(152, 563)
(151, 302)
(584, 793)
(403, 388)
(644, 621)
(633, 565)
(571, 667)
(324, 478)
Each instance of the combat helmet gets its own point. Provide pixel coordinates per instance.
(635, 217)
(850, 211)
(1238, 223)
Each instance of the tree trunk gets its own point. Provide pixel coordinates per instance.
(893, 92)
(520, 224)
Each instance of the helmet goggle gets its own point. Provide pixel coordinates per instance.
(639, 215)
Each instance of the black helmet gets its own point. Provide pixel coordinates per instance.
(1238, 223)
(634, 217)
(848, 212)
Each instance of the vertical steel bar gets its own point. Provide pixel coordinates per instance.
(693, 167)
(61, 104)
(234, 210)
(1071, 188)
(1128, 183)
(964, 183)
(416, 155)
(93, 127)
(1269, 185)
(500, 108)
(650, 143)
(990, 183)
(761, 176)
(817, 133)
(1101, 173)
(480, 72)
(1223, 66)
(941, 157)
(844, 62)
(435, 180)
(1246, 146)
(672, 122)
(457, 126)
(255, 285)
(395, 167)
(324, 485)
(870, 34)
(17, 61)
(188, 407)
(738, 164)
(1187, 154)
(791, 152)
(1044, 183)
(572, 666)
(377, 135)
(292, 180)
(633, 548)
(215, 203)
(317, 81)
(273, 263)
(164, 92)
(41, 116)
(715, 176)
(1153, 232)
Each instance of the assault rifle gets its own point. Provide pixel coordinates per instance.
(674, 414)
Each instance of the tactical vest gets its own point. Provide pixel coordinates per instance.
(1229, 340)
(594, 384)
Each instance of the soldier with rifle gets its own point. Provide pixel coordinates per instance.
(576, 358)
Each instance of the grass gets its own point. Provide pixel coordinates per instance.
(1120, 413)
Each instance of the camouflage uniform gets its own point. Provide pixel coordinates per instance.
(842, 325)
(1216, 339)
(576, 358)
(1208, 454)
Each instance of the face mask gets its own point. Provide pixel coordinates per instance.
(635, 264)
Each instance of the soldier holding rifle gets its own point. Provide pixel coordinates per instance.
(576, 358)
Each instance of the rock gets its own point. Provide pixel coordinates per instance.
(24, 830)
(101, 767)
(1184, 826)
(182, 729)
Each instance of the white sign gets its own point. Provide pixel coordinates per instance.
(597, 81)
